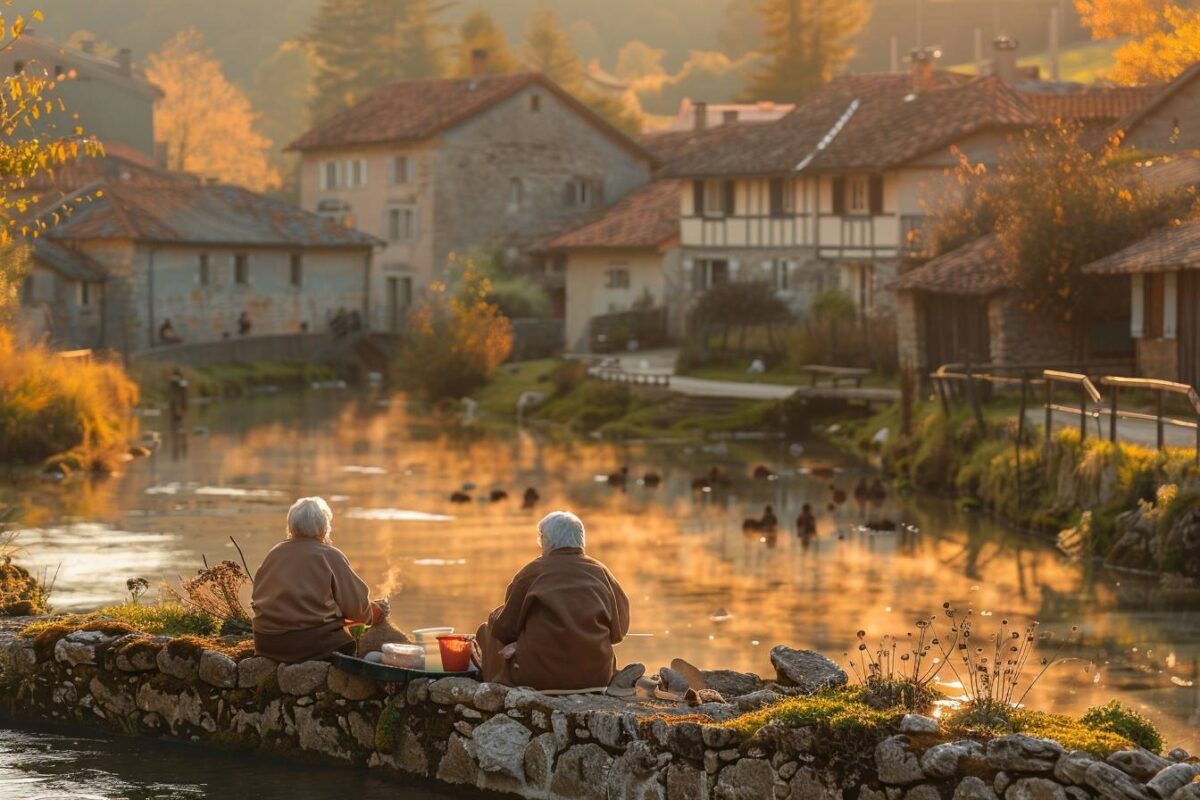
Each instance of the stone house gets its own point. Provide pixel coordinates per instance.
(133, 254)
(448, 166)
(110, 98)
(835, 194)
(626, 259)
(1170, 121)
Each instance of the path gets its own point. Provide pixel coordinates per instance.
(1134, 431)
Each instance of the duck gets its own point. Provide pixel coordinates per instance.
(619, 478)
(764, 473)
(715, 478)
(836, 497)
(498, 495)
(885, 525)
(767, 523)
(530, 499)
(861, 493)
(877, 493)
(806, 523)
(651, 480)
(460, 497)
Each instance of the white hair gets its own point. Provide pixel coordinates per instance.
(309, 518)
(560, 529)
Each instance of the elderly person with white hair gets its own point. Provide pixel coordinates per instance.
(562, 614)
(305, 592)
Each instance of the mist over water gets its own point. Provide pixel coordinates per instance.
(700, 588)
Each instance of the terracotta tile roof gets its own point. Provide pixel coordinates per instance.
(645, 218)
(1172, 248)
(412, 111)
(1107, 104)
(973, 269)
(188, 213)
(867, 122)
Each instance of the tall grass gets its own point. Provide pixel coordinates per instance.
(50, 406)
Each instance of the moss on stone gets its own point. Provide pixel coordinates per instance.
(1071, 734)
(838, 710)
(1123, 721)
(268, 689)
(387, 730)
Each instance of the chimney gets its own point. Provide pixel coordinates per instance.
(1004, 59)
(923, 59)
(479, 61)
(125, 60)
(700, 110)
(729, 117)
(88, 46)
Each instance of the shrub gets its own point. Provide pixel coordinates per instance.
(567, 375)
(215, 592)
(898, 672)
(1125, 722)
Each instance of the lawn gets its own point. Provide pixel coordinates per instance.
(500, 396)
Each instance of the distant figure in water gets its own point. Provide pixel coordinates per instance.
(806, 523)
(530, 499)
(460, 497)
(561, 616)
(167, 333)
(498, 495)
(837, 497)
(877, 493)
(619, 478)
(767, 523)
(651, 480)
(861, 495)
(764, 473)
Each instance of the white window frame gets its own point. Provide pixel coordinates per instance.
(858, 195)
(355, 173)
(781, 274)
(714, 198)
(705, 268)
(617, 278)
(402, 169)
(402, 211)
(789, 197)
(330, 174)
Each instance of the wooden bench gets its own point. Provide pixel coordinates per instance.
(835, 374)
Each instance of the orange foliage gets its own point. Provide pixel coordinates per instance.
(1166, 36)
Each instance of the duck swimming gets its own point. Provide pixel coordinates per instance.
(767, 523)
(530, 499)
(651, 480)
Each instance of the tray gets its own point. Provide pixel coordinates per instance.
(382, 672)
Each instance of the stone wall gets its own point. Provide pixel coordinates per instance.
(459, 731)
(1020, 337)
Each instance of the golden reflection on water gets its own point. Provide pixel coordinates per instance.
(682, 556)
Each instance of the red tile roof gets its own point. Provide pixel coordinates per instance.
(645, 218)
(867, 122)
(1107, 104)
(976, 268)
(1172, 248)
(412, 111)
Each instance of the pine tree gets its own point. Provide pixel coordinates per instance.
(360, 45)
(478, 31)
(807, 42)
(549, 51)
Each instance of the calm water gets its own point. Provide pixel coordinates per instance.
(682, 556)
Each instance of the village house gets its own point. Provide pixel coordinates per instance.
(623, 268)
(451, 166)
(141, 249)
(109, 98)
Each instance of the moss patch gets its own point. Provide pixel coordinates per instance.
(387, 730)
(1071, 734)
(1124, 722)
(21, 594)
(841, 710)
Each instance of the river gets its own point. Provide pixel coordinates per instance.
(700, 587)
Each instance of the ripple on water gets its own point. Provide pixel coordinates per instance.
(396, 515)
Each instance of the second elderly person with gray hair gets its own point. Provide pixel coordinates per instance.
(562, 614)
(305, 592)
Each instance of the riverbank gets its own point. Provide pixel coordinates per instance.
(226, 381)
(1130, 506)
(800, 735)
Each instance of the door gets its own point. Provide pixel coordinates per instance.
(956, 329)
(1189, 326)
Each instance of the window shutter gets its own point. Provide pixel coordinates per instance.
(776, 192)
(730, 198)
(362, 175)
(698, 198)
(323, 174)
(839, 196)
(876, 194)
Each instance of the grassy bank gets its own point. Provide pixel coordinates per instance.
(1070, 485)
(227, 380)
(76, 413)
(615, 411)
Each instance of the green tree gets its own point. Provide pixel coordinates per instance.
(807, 42)
(360, 45)
(478, 31)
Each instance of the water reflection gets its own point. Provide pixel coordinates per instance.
(702, 588)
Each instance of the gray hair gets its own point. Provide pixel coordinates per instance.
(309, 518)
(560, 529)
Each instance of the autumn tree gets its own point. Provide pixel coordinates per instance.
(1163, 37)
(548, 50)
(207, 122)
(806, 42)
(455, 338)
(360, 45)
(479, 31)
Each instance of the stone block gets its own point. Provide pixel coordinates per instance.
(581, 773)
(458, 765)
(942, 760)
(538, 761)
(1035, 789)
(896, 763)
(1022, 753)
(182, 665)
(915, 723)
(1140, 763)
(972, 788)
(1171, 779)
(218, 669)
(449, 691)
(351, 687)
(490, 696)
(747, 779)
(1113, 784)
(254, 670)
(500, 745)
(304, 678)
(79, 647)
(806, 670)
(923, 792)
(1073, 767)
(685, 782)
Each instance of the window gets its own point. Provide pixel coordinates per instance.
(401, 170)
(617, 278)
(330, 174)
(85, 293)
(356, 173)
(781, 274)
(709, 272)
(715, 197)
(336, 210)
(296, 270)
(585, 192)
(535, 103)
(516, 194)
(402, 224)
(782, 197)
(858, 195)
(204, 277)
(241, 269)
(1154, 305)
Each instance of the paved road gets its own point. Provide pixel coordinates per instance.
(1135, 431)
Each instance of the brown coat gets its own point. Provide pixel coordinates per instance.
(303, 594)
(564, 611)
